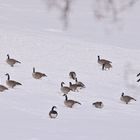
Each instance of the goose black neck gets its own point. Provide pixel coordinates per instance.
(66, 98)
(73, 76)
(98, 57)
(8, 56)
(8, 76)
(70, 83)
(62, 84)
(53, 108)
(122, 94)
(33, 70)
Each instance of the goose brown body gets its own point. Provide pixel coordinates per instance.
(103, 61)
(73, 87)
(70, 103)
(126, 98)
(64, 89)
(3, 88)
(11, 83)
(11, 61)
(79, 84)
(106, 66)
(38, 75)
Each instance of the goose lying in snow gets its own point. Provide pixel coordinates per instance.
(3, 88)
(38, 75)
(11, 83)
(11, 61)
(70, 103)
(72, 75)
(98, 104)
(64, 89)
(126, 98)
(53, 114)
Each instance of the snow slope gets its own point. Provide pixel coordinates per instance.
(34, 15)
(24, 110)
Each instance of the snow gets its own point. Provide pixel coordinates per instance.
(34, 36)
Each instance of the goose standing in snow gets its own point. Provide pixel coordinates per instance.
(126, 98)
(11, 83)
(53, 114)
(80, 84)
(11, 61)
(73, 87)
(38, 75)
(70, 103)
(103, 61)
(64, 89)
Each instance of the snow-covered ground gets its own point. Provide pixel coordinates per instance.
(33, 35)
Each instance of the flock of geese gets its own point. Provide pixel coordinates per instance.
(106, 65)
(78, 85)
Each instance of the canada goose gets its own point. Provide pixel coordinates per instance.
(72, 75)
(126, 98)
(80, 84)
(11, 83)
(11, 61)
(53, 114)
(3, 88)
(38, 75)
(70, 103)
(106, 66)
(73, 87)
(98, 104)
(103, 61)
(64, 89)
